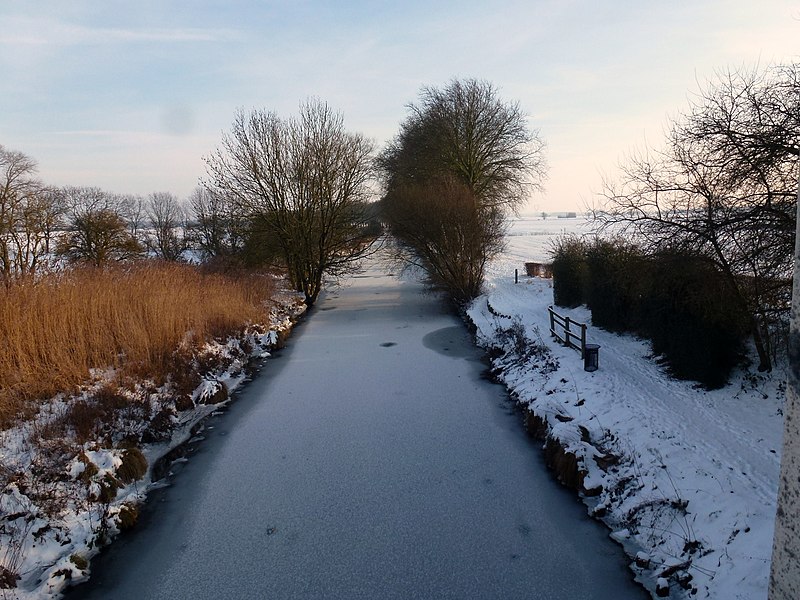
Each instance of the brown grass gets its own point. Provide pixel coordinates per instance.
(133, 318)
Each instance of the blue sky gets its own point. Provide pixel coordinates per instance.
(131, 96)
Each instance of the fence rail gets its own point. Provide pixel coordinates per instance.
(566, 330)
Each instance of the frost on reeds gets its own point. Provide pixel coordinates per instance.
(132, 318)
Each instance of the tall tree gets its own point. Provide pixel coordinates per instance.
(464, 158)
(29, 215)
(303, 182)
(134, 210)
(218, 229)
(98, 234)
(168, 227)
(724, 189)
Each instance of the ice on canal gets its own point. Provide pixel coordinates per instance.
(369, 459)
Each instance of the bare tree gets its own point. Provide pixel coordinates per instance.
(98, 233)
(724, 189)
(218, 230)
(134, 210)
(303, 182)
(462, 151)
(167, 236)
(29, 214)
(33, 236)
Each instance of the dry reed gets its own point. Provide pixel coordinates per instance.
(54, 332)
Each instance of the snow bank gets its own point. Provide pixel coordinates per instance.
(60, 502)
(685, 478)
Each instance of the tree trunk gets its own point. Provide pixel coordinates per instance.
(762, 347)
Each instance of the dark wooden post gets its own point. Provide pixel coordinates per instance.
(583, 341)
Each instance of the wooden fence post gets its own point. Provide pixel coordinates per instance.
(583, 341)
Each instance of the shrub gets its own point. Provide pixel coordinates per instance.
(445, 225)
(8, 578)
(679, 301)
(109, 486)
(693, 320)
(133, 467)
(613, 284)
(569, 271)
(127, 517)
(99, 237)
(85, 416)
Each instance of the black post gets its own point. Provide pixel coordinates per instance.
(591, 357)
(516, 275)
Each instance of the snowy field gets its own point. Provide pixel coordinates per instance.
(529, 238)
(693, 495)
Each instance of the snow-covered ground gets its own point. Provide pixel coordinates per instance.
(693, 493)
(59, 503)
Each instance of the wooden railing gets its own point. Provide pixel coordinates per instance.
(567, 331)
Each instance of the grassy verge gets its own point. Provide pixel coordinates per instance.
(130, 318)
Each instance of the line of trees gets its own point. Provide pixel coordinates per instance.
(294, 193)
(287, 193)
(40, 224)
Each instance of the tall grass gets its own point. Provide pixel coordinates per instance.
(53, 332)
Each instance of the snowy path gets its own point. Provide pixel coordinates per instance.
(370, 460)
(697, 479)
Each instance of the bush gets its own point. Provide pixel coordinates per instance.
(693, 321)
(569, 271)
(450, 232)
(133, 467)
(614, 284)
(99, 237)
(678, 301)
(127, 517)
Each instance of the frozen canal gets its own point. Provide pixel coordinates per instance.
(368, 460)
